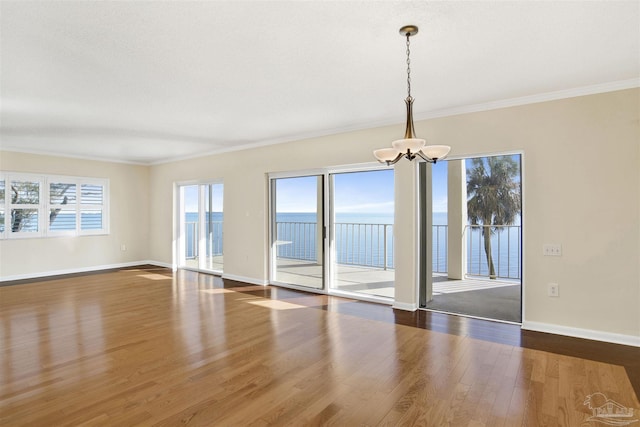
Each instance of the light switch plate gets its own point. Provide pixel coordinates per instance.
(552, 249)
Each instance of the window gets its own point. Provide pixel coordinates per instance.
(62, 207)
(24, 206)
(47, 206)
(91, 212)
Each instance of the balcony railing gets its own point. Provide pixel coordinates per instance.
(371, 245)
(368, 245)
(506, 244)
(364, 244)
(213, 238)
(439, 252)
(505, 250)
(297, 240)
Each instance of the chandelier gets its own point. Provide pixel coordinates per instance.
(410, 147)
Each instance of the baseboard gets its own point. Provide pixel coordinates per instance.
(249, 280)
(72, 271)
(583, 333)
(406, 306)
(160, 264)
(115, 266)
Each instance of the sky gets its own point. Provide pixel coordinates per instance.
(360, 192)
(355, 192)
(439, 185)
(191, 197)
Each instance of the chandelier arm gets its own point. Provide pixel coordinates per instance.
(396, 160)
(425, 158)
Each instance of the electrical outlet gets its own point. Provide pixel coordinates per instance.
(552, 249)
(553, 290)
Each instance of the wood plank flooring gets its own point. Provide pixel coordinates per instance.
(143, 346)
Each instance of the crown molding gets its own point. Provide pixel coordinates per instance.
(446, 112)
(454, 111)
(532, 99)
(71, 156)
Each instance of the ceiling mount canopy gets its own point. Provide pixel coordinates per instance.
(410, 147)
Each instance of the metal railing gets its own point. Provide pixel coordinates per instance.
(369, 245)
(296, 240)
(439, 246)
(214, 239)
(506, 244)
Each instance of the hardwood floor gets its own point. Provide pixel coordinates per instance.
(146, 347)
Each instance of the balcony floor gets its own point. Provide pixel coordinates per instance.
(214, 263)
(478, 297)
(350, 278)
(491, 299)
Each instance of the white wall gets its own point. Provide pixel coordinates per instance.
(244, 174)
(582, 190)
(129, 213)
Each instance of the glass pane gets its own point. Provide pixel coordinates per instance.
(213, 195)
(298, 245)
(91, 219)
(62, 194)
(62, 219)
(1, 191)
(24, 220)
(363, 205)
(439, 219)
(25, 192)
(1, 221)
(476, 238)
(493, 213)
(91, 194)
(191, 230)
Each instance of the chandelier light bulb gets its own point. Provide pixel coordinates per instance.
(386, 154)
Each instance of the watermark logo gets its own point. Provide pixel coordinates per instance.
(608, 411)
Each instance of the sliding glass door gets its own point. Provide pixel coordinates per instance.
(297, 231)
(347, 215)
(471, 243)
(362, 232)
(200, 227)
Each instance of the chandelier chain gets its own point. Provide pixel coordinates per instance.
(408, 67)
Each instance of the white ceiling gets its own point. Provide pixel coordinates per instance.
(147, 82)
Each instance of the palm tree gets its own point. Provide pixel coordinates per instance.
(494, 197)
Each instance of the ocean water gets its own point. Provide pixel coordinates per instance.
(213, 231)
(367, 239)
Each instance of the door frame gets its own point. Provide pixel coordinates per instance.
(327, 216)
(272, 268)
(178, 251)
(426, 233)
